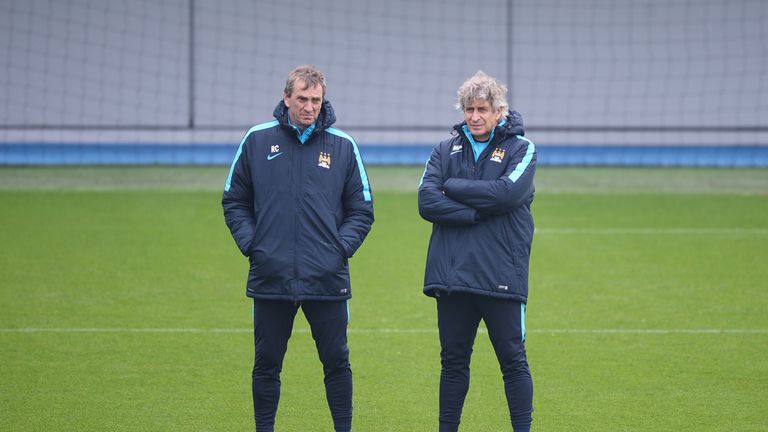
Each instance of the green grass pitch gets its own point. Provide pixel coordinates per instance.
(122, 307)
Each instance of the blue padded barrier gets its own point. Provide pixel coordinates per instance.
(380, 154)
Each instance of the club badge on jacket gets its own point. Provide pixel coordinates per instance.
(498, 155)
(324, 161)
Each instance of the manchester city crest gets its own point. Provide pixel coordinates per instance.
(498, 155)
(324, 161)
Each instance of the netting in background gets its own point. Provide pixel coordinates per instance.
(658, 72)
(87, 64)
(602, 72)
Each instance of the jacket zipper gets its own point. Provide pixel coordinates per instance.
(297, 202)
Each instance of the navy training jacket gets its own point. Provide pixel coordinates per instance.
(481, 213)
(298, 206)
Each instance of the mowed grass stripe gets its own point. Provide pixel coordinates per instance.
(550, 180)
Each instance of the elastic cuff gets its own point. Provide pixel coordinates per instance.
(522, 427)
(449, 427)
(342, 424)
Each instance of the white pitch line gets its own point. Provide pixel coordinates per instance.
(125, 330)
(382, 330)
(654, 331)
(655, 231)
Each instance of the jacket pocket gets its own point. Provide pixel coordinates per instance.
(336, 259)
(521, 272)
(323, 269)
(257, 258)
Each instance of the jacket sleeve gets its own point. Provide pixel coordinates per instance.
(434, 205)
(237, 201)
(500, 196)
(357, 202)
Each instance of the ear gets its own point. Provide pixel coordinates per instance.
(285, 100)
(499, 114)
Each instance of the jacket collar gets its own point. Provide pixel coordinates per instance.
(325, 119)
(512, 124)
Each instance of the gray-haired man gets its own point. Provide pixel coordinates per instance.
(477, 191)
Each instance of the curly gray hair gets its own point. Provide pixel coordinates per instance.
(309, 74)
(483, 87)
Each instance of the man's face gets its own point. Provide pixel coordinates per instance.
(481, 119)
(304, 104)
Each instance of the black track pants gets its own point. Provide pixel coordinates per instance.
(458, 316)
(272, 326)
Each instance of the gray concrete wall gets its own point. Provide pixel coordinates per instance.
(602, 72)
